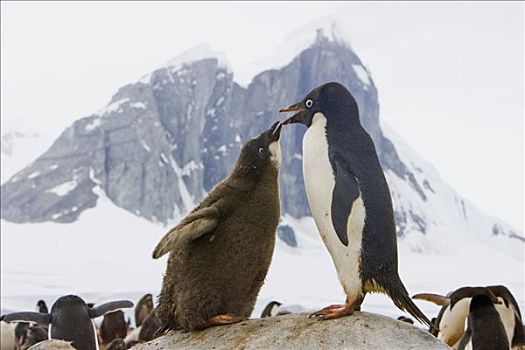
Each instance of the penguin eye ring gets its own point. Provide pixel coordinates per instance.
(309, 103)
(261, 150)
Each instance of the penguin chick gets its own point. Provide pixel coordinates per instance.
(143, 308)
(349, 199)
(113, 326)
(485, 330)
(221, 251)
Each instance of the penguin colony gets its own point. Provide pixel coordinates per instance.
(220, 253)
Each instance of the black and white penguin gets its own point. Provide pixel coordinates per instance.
(455, 307)
(41, 307)
(271, 310)
(349, 199)
(485, 329)
(71, 320)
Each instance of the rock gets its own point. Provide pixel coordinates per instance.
(287, 235)
(52, 344)
(360, 331)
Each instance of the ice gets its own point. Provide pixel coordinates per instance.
(187, 198)
(145, 145)
(362, 74)
(189, 167)
(91, 126)
(112, 107)
(139, 105)
(33, 175)
(65, 188)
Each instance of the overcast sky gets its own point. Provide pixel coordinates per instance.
(450, 76)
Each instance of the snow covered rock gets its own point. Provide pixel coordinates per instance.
(359, 331)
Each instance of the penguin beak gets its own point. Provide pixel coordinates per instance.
(275, 131)
(297, 117)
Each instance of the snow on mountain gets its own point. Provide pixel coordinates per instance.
(119, 177)
(197, 53)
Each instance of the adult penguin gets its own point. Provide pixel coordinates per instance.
(70, 319)
(349, 199)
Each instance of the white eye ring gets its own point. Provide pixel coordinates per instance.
(261, 150)
(309, 103)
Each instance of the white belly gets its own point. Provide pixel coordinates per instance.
(319, 183)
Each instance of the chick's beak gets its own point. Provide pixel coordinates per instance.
(275, 131)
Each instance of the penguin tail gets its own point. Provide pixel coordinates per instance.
(402, 300)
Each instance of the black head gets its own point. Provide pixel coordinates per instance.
(41, 307)
(146, 300)
(333, 100)
(470, 292)
(260, 153)
(270, 309)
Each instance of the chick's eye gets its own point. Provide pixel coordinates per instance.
(262, 150)
(309, 103)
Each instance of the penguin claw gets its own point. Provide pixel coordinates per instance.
(222, 320)
(333, 311)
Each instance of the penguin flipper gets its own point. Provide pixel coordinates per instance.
(433, 298)
(103, 309)
(345, 193)
(193, 226)
(37, 317)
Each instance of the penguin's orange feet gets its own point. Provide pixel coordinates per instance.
(334, 306)
(335, 311)
(222, 320)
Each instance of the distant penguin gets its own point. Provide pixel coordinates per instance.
(32, 336)
(71, 320)
(113, 326)
(221, 251)
(349, 199)
(485, 330)
(271, 310)
(143, 308)
(455, 308)
(405, 319)
(41, 307)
